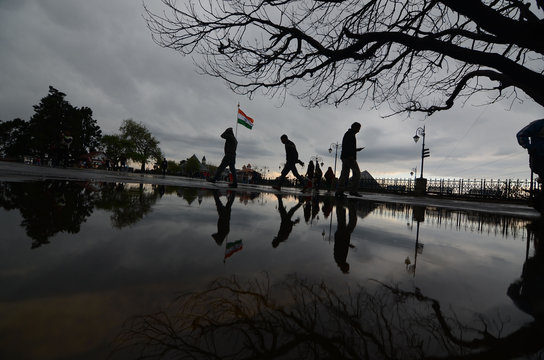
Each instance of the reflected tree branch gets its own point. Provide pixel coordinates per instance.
(299, 319)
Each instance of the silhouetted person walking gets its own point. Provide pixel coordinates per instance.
(286, 225)
(349, 162)
(223, 222)
(164, 166)
(229, 159)
(291, 159)
(343, 232)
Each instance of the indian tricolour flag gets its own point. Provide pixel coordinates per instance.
(233, 247)
(244, 119)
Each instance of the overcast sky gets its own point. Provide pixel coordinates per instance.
(100, 53)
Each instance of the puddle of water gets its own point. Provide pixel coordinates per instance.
(80, 259)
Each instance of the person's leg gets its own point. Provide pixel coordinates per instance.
(220, 169)
(344, 175)
(356, 177)
(284, 172)
(232, 163)
(297, 175)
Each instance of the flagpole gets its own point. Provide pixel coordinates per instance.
(236, 131)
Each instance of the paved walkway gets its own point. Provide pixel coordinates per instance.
(10, 171)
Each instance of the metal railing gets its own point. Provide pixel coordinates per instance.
(466, 188)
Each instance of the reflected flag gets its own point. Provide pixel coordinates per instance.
(244, 119)
(233, 247)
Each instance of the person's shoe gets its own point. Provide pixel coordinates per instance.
(355, 193)
(276, 187)
(211, 180)
(233, 185)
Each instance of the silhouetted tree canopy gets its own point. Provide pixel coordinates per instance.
(55, 116)
(115, 148)
(415, 56)
(14, 138)
(142, 146)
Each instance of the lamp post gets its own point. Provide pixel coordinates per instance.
(335, 146)
(421, 183)
(424, 151)
(317, 159)
(264, 170)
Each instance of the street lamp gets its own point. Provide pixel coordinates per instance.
(335, 146)
(264, 170)
(424, 151)
(317, 159)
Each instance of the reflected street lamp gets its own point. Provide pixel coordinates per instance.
(335, 146)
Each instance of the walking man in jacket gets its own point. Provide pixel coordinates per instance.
(229, 158)
(349, 162)
(531, 137)
(291, 160)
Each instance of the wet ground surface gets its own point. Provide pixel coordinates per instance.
(21, 172)
(93, 262)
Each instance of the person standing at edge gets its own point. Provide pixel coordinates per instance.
(349, 162)
(291, 159)
(531, 137)
(310, 171)
(329, 178)
(229, 159)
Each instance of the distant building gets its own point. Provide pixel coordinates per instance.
(194, 168)
(368, 182)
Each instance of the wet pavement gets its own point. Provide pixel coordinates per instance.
(96, 264)
(20, 172)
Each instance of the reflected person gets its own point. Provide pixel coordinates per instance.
(343, 233)
(315, 206)
(527, 293)
(223, 222)
(287, 224)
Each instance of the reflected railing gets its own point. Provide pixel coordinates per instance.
(460, 220)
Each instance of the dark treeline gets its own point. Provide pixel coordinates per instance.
(59, 133)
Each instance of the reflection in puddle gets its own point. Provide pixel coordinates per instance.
(247, 320)
(85, 257)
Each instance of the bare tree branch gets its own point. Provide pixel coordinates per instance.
(416, 56)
